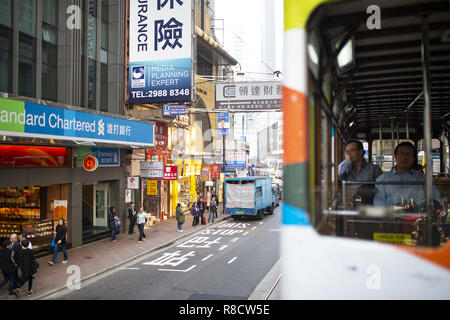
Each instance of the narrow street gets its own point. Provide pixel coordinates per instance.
(224, 261)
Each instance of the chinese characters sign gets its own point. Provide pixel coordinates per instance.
(161, 134)
(214, 170)
(249, 96)
(160, 50)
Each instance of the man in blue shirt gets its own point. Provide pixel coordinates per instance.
(355, 167)
(403, 195)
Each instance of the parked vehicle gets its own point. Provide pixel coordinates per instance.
(251, 197)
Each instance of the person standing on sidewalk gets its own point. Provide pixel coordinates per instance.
(7, 267)
(141, 220)
(132, 217)
(212, 209)
(195, 213)
(112, 224)
(201, 207)
(22, 237)
(60, 235)
(28, 266)
(180, 217)
(214, 196)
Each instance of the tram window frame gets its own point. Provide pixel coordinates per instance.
(324, 94)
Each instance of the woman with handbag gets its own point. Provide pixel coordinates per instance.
(195, 213)
(59, 241)
(180, 218)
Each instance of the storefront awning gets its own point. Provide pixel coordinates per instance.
(215, 46)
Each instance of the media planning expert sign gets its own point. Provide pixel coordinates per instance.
(249, 96)
(160, 51)
(24, 119)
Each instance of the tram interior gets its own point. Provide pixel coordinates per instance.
(382, 77)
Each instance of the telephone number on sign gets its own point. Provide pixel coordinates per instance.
(161, 93)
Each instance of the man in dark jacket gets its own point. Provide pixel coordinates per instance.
(28, 266)
(7, 267)
(132, 217)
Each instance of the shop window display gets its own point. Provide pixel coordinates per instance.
(24, 211)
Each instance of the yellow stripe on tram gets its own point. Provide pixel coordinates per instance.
(297, 12)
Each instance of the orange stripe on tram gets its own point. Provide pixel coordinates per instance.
(439, 256)
(295, 121)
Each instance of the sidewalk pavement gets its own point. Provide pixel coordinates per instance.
(98, 257)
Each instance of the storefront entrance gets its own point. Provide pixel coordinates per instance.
(95, 211)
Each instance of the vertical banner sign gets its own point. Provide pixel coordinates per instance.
(160, 51)
(223, 124)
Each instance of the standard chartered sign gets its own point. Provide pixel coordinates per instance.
(28, 119)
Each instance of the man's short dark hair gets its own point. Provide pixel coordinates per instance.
(25, 243)
(359, 144)
(406, 144)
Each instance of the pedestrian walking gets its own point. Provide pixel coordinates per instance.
(180, 217)
(132, 217)
(141, 220)
(60, 236)
(212, 210)
(16, 246)
(112, 218)
(26, 261)
(195, 213)
(214, 196)
(7, 267)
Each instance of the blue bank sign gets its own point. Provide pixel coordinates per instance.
(160, 51)
(18, 118)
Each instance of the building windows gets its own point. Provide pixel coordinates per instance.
(27, 47)
(27, 66)
(104, 58)
(49, 71)
(5, 46)
(27, 17)
(49, 49)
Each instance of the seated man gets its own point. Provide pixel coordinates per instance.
(411, 196)
(356, 168)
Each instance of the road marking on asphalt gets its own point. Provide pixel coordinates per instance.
(231, 261)
(254, 228)
(235, 239)
(223, 247)
(130, 268)
(204, 259)
(174, 270)
(261, 223)
(245, 233)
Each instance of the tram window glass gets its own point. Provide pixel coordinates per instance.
(388, 204)
(436, 155)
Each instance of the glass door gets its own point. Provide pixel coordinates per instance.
(101, 205)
